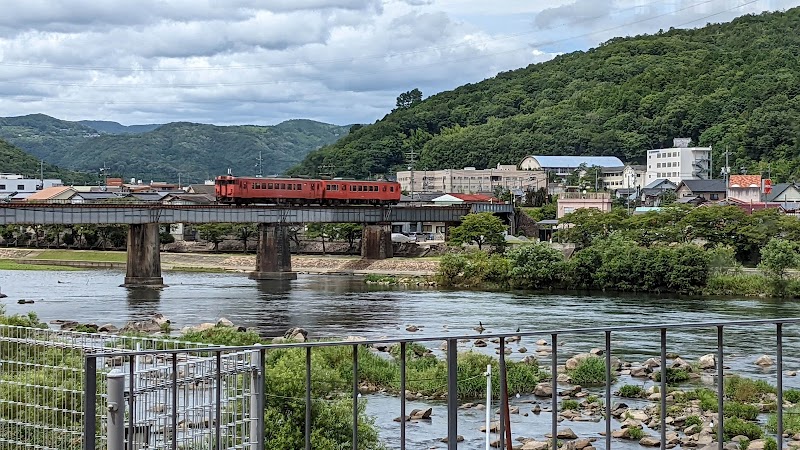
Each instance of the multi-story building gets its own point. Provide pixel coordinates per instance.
(471, 180)
(626, 177)
(679, 163)
(22, 187)
(563, 166)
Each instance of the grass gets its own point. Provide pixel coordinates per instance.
(83, 255)
(746, 390)
(631, 391)
(791, 421)
(590, 371)
(636, 433)
(195, 269)
(11, 265)
(569, 405)
(738, 427)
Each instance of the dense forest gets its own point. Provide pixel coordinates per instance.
(195, 151)
(14, 160)
(733, 86)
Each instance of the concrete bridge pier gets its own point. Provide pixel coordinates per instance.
(144, 257)
(376, 242)
(273, 259)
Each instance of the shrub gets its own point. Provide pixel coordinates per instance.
(631, 391)
(673, 375)
(534, 266)
(722, 260)
(451, 266)
(741, 410)
(636, 433)
(791, 395)
(771, 444)
(589, 371)
(693, 420)
(707, 397)
(736, 427)
(569, 404)
(745, 390)
(737, 284)
(791, 421)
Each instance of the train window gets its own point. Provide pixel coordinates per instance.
(391, 188)
(269, 185)
(327, 187)
(384, 189)
(298, 187)
(283, 185)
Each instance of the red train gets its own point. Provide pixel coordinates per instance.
(299, 191)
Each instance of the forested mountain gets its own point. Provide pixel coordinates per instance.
(195, 151)
(733, 86)
(105, 126)
(14, 160)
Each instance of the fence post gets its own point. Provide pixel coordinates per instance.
(89, 399)
(256, 414)
(116, 410)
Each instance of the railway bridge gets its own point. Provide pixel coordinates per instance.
(273, 259)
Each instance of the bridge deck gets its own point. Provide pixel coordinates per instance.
(59, 213)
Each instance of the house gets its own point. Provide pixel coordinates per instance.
(206, 188)
(571, 201)
(679, 163)
(563, 166)
(18, 187)
(708, 190)
(629, 176)
(784, 193)
(652, 193)
(60, 194)
(745, 188)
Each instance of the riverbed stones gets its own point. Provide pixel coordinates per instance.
(573, 362)
(412, 328)
(536, 445)
(649, 441)
(494, 427)
(522, 350)
(543, 390)
(566, 433)
(479, 343)
(296, 334)
(681, 364)
(224, 322)
(459, 438)
(764, 361)
(143, 326)
(708, 361)
(107, 328)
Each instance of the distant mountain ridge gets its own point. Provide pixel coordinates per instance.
(105, 126)
(194, 152)
(14, 160)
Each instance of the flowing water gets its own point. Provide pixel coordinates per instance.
(338, 306)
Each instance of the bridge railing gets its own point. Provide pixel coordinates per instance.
(246, 380)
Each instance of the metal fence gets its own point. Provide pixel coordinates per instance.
(73, 390)
(48, 377)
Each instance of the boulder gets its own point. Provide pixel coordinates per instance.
(543, 390)
(480, 343)
(412, 329)
(679, 363)
(566, 433)
(494, 427)
(651, 363)
(536, 445)
(764, 361)
(708, 361)
(530, 359)
(459, 438)
(25, 301)
(160, 319)
(522, 350)
(296, 334)
(223, 322)
(142, 326)
(421, 414)
(573, 362)
(641, 372)
(107, 328)
(649, 441)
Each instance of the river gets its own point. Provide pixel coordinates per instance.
(339, 306)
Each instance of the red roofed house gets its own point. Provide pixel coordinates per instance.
(745, 188)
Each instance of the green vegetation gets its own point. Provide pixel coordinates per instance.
(636, 433)
(791, 421)
(674, 376)
(68, 255)
(569, 405)
(589, 371)
(480, 229)
(728, 85)
(791, 395)
(15, 160)
(738, 427)
(193, 150)
(631, 391)
(746, 390)
(693, 421)
(11, 265)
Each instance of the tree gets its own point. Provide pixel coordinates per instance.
(534, 266)
(244, 231)
(480, 229)
(778, 256)
(214, 233)
(320, 230)
(408, 99)
(348, 232)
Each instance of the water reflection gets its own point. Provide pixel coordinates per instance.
(269, 289)
(142, 301)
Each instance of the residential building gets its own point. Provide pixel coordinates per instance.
(563, 166)
(629, 176)
(470, 180)
(23, 187)
(652, 193)
(708, 190)
(679, 163)
(571, 201)
(745, 188)
(784, 193)
(54, 194)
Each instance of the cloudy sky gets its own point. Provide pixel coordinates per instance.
(264, 61)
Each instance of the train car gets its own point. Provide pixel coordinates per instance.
(353, 192)
(296, 191)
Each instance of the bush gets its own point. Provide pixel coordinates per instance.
(631, 391)
(473, 269)
(791, 395)
(737, 284)
(534, 266)
(742, 411)
(745, 390)
(589, 371)
(569, 404)
(674, 376)
(791, 421)
(738, 427)
(771, 444)
(693, 420)
(722, 260)
(636, 433)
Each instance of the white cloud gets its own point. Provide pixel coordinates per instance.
(263, 61)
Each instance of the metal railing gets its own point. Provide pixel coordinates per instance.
(248, 430)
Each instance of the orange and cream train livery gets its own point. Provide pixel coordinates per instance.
(301, 191)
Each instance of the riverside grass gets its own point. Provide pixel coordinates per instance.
(6, 264)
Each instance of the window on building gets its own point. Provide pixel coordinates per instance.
(427, 228)
(714, 196)
(440, 229)
(2, 186)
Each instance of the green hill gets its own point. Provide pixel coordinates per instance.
(14, 160)
(195, 151)
(732, 85)
(105, 126)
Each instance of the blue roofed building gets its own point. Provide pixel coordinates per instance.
(565, 165)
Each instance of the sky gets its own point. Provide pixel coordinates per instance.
(266, 61)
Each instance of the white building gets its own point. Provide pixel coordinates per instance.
(679, 163)
(22, 187)
(563, 166)
(470, 180)
(627, 177)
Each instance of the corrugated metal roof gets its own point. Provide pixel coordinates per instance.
(575, 161)
(705, 185)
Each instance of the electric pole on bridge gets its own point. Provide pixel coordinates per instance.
(411, 158)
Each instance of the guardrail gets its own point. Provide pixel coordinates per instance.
(252, 436)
